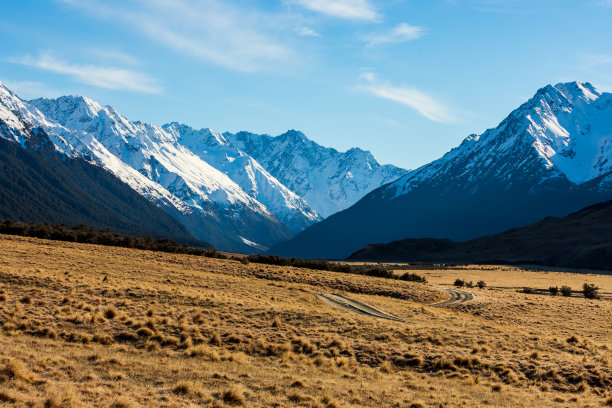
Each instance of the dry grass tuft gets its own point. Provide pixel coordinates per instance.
(110, 312)
(233, 395)
(60, 399)
(16, 370)
(26, 300)
(123, 402)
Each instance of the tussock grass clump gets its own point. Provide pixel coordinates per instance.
(144, 332)
(215, 340)
(9, 396)
(60, 399)
(203, 351)
(26, 300)
(16, 370)
(187, 388)
(126, 337)
(407, 360)
(110, 312)
(123, 402)
(233, 395)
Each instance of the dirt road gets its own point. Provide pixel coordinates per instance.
(353, 305)
(457, 297)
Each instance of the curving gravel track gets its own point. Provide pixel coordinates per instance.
(457, 297)
(353, 305)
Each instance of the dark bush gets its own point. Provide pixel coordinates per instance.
(481, 284)
(590, 291)
(413, 277)
(554, 290)
(566, 291)
(459, 283)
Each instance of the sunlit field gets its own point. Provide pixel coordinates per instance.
(87, 325)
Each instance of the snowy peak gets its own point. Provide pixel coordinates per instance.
(574, 91)
(189, 136)
(215, 149)
(330, 181)
(561, 135)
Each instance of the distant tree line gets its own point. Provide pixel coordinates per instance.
(88, 235)
(320, 264)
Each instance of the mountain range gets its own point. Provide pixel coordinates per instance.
(214, 184)
(550, 157)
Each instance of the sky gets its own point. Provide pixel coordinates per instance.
(405, 79)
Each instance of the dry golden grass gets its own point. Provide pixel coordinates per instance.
(169, 330)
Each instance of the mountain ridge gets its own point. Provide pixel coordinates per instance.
(508, 176)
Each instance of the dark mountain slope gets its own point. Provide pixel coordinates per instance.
(38, 184)
(579, 240)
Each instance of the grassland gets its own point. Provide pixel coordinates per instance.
(86, 325)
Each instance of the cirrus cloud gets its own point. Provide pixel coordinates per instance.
(345, 9)
(101, 76)
(424, 104)
(401, 33)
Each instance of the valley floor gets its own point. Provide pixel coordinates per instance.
(86, 325)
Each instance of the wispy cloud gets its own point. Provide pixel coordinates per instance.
(345, 9)
(96, 75)
(210, 30)
(401, 33)
(424, 104)
(307, 32)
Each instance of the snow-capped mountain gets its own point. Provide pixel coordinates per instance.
(213, 148)
(151, 160)
(563, 134)
(551, 156)
(328, 180)
(206, 180)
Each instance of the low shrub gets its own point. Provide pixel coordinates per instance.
(554, 290)
(590, 291)
(459, 283)
(481, 284)
(566, 291)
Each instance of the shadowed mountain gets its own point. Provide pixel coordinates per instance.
(579, 240)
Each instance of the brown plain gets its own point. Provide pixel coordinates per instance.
(86, 325)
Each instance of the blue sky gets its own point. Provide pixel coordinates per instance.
(405, 79)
